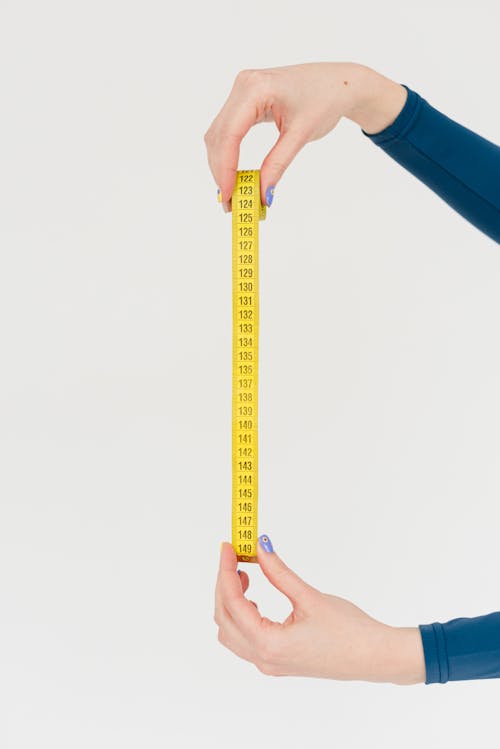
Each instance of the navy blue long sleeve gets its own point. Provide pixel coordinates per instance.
(460, 166)
(462, 649)
(464, 169)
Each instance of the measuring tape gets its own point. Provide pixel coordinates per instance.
(247, 211)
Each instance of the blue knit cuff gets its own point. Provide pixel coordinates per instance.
(435, 654)
(403, 121)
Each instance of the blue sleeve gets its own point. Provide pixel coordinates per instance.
(462, 649)
(460, 166)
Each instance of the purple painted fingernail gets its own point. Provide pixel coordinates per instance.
(269, 195)
(239, 572)
(265, 542)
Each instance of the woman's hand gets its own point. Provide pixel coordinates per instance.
(306, 102)
(323, 636)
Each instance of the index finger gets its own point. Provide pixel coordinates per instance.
(224, 136)
(229, 594)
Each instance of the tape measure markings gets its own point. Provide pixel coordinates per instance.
(246, 213)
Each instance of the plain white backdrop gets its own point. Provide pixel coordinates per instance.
(380, 484)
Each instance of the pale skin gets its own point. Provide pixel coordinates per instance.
(305, 102)
(324, 636)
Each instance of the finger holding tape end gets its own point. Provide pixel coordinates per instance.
(226, 204)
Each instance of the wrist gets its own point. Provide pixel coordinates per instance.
(393, 654)
(405, 656)
(375, 101)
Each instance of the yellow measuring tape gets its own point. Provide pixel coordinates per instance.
(247, 211)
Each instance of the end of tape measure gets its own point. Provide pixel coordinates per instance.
(242, 558)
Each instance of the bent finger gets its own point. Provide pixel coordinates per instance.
(224, 136)
(279, 159)
(229, 594)
(244, 579)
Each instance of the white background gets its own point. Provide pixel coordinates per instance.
(379, 446)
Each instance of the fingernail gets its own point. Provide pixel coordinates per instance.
(239, 572)
(269, 195)
(219, 196)
(265, 542)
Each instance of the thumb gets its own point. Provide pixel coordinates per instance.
(281, 576)
(278, 159)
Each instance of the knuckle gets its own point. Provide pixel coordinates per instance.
(249, 76)
(266, 668)
(245, 74)
(211, 135)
